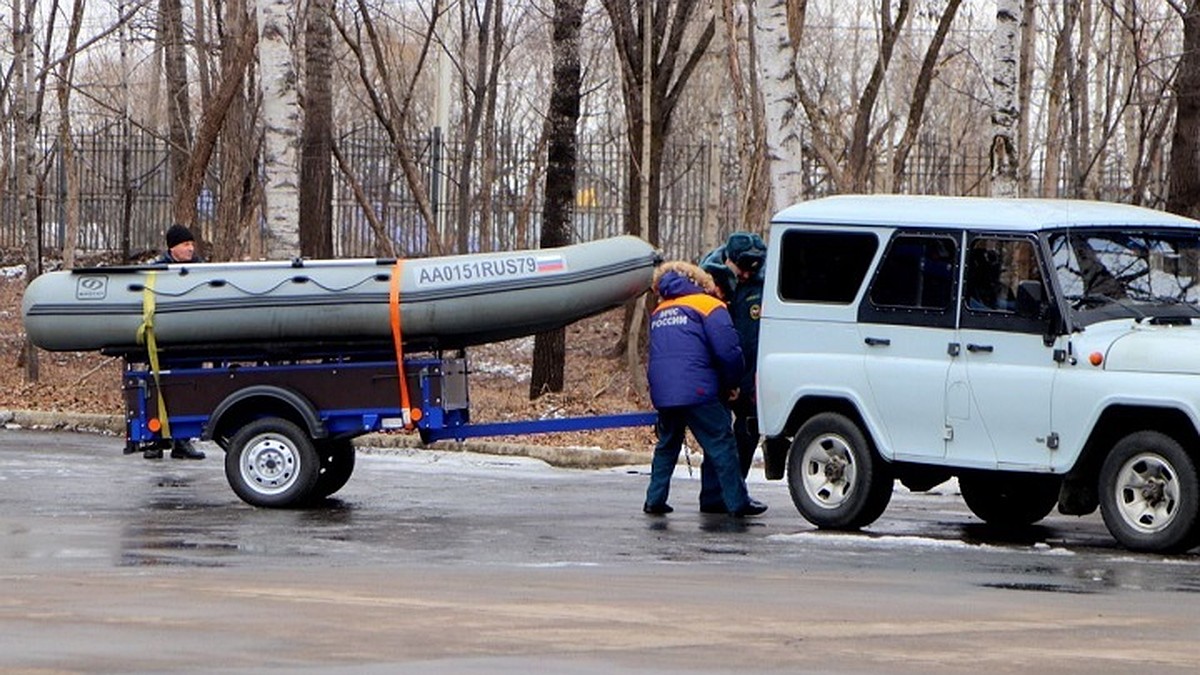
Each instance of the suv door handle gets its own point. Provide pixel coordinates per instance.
(877, 342)
(973, 348)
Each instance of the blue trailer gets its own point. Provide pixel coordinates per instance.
(285, 415)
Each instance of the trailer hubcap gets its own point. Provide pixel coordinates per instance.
(269, 464)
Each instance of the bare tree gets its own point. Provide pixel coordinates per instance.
(671, 67)
(1184, 197)
(66, 141)
(549, 349)
(236, 229)
(233, 72)
(316, 199)
(920, 95)
(486, 27)
(391, 105)
(179, 115)
(25, 123)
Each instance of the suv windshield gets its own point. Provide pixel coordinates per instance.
(1106, 274)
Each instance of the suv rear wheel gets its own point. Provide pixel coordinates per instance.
(836, 478)
(1149, 493)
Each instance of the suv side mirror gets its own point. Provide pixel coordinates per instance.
(1031, 299)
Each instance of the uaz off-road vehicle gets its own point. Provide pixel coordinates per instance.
(1044, 352)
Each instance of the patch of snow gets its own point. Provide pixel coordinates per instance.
(891, 542)
(13, 272)
(490, 367)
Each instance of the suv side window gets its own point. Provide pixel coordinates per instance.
(916, 282)
(996, 267)
(824, 266)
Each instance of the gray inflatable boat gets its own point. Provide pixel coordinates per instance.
(444, 303)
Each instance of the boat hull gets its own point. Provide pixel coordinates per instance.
(445, 302)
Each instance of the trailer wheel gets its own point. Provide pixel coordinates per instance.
(337, 463)
(271, 462)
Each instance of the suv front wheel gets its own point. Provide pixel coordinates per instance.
(1149, 493)
(836, 478)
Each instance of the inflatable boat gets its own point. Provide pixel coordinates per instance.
(444, 302)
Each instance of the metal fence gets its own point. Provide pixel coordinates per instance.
(126, 198)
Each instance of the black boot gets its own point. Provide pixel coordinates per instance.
(183, 449)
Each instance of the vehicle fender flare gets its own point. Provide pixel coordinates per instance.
(305, 412)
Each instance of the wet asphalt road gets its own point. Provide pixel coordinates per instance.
(450, 562)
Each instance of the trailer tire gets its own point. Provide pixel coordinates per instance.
(337, 463)
(273, 463)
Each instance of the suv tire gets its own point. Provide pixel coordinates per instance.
(1149, 493)
(836, 478)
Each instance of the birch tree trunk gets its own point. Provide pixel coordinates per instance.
(281, 127)
(1004, 159)
(778, 29)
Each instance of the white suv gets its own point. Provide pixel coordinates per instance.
(1045, 352)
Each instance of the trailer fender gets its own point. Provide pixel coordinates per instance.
(246, 405)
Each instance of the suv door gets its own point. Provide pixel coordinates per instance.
(907, 323)
(998, 394)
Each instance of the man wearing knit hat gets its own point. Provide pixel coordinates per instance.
(181, 248)
(737, 267)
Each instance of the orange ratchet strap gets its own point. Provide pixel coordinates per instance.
(394, 307)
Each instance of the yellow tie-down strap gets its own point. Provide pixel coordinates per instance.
(145, 336)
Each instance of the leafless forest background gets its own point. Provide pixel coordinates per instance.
(323, 128)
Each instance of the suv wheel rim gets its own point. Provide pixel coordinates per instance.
(1147, 493)
(269, 464)
(829, 471)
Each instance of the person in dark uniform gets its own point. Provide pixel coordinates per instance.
(181, 248)
(737, 268)
(695, 364)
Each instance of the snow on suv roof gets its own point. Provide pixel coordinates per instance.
(1021, 215)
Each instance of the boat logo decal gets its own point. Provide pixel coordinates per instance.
(91, 287)
(441, 273)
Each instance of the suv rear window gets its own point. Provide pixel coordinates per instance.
(917, 273)
(824, 266)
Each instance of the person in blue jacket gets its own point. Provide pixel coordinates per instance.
(695, 364)
(737, 268)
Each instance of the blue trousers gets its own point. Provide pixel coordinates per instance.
(722, 483)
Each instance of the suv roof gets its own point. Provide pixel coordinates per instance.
(1016, 215)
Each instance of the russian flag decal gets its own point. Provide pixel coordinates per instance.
(551, 264)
